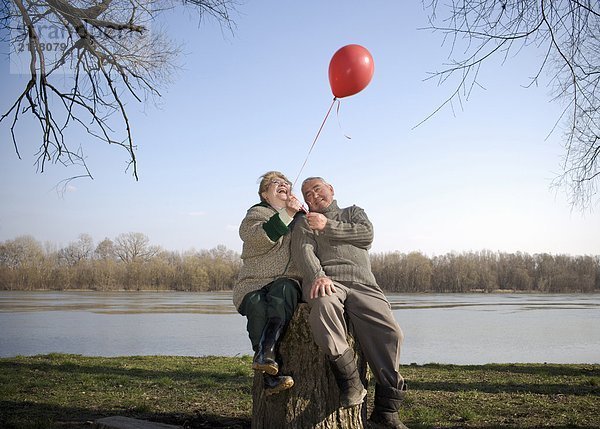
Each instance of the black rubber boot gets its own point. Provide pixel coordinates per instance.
(276, 383)
(264, 359)
(352, 391)
(387, 404)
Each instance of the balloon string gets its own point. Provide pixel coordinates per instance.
(315, 140)
(337, 113)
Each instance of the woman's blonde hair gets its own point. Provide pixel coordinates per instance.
(265, 181)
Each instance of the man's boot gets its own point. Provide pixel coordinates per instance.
(352, 391)
(276, 383)
(387, 404)
(264, 359)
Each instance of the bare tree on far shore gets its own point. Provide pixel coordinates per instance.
(134, 247)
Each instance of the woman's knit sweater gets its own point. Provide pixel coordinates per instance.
(266, 252)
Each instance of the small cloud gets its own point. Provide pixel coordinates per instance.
(231, 227)
(196, 214)
(71, 188)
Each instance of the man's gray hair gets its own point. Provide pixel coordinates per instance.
(308, 179)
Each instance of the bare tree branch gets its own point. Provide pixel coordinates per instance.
(86, 58)
(569, 33)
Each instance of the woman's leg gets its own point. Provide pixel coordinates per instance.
(254, 307)
(282, 299)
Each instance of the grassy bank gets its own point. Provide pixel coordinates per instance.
(67, 391)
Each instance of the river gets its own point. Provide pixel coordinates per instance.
(442, 328)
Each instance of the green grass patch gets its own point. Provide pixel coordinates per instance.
(69, 391)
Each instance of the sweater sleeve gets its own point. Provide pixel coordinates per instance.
(275, 227)
(357, 230)
(304, 254)
(261, 229)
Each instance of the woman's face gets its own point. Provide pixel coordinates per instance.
(277, 193)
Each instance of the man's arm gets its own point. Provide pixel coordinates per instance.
(305, 256)
(358, 231)
(304, 251)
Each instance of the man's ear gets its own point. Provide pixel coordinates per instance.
(263, 195)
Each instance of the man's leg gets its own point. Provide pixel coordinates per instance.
(377, 331)
(328, 325)
(327, 320)
(380, 338)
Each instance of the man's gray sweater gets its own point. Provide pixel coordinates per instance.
(340, 251)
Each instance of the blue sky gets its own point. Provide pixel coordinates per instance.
(245, 103)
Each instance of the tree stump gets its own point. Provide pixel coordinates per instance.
(313, 401)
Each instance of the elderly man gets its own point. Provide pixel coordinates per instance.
(330, 246)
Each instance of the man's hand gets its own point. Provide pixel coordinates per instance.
(316, 221)
(322, 286)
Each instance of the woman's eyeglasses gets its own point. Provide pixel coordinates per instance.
(280, 182)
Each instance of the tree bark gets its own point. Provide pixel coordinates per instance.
(313, 401)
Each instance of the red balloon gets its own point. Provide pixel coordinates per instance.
(350, 70)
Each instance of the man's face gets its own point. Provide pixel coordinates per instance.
(317, 194)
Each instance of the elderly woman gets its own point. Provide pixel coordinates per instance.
(267, 290)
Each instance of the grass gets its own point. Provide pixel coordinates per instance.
(71, 391)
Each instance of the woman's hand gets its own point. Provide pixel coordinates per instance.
(293, 205)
